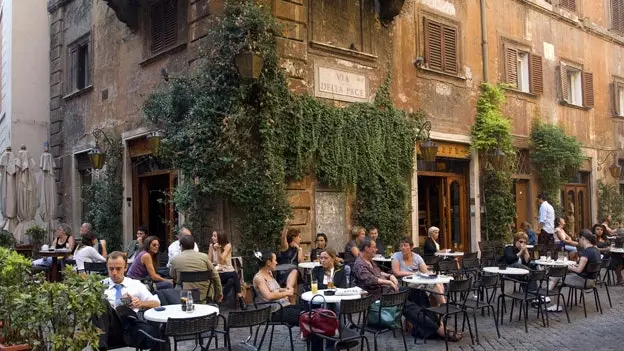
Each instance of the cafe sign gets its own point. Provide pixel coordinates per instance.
(337, 84)
(451, 150)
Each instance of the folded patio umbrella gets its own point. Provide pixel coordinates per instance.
(26, 195)
(8, 171)
(47, 193)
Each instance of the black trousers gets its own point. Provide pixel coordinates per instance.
(123, 331)
(226, 276)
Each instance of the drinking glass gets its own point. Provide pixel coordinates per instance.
(314, 286)
(183, 295)
(330, 283)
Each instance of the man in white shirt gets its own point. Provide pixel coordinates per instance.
(174, 248)
(124, 328)
(546, 221)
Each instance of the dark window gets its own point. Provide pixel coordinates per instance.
(163, 17)
(441, 47)
(80, 64)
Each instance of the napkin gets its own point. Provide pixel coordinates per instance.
(350, 291)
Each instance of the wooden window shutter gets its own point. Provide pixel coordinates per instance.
(433, 43)
(163, 25)
(536, 75)
(450, 50)
(588, 89)
(563, 82)
(613, 88)
(511, 66)
(617, 15)
(73, 69)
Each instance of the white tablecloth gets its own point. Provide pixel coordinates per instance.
(418, 279)
(307, 296)
(309, 265)
(508, 271)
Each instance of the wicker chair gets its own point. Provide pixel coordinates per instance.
(95, 267)
(470, 268)
(247, 319)
(196, 328)
(193, 277)
(347, 337)
(448, 267)
(389, 300)
(470, 255)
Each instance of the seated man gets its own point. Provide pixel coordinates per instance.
(175, 248)
(135, 246)
(124, 328)
(191, 261)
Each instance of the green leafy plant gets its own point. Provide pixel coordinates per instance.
(610, 202)
(244, 140)
(105, 198)
(37, 236)
(556, 157)
(47, 316)
(491, 133)
(6, 239)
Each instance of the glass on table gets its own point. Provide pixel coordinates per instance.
(548, 255)
(314, 286)
(183, 297)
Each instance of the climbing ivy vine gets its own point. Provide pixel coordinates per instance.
(245, 140)
(491, 133)
(556, 157)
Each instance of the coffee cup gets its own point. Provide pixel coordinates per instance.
(44, 247)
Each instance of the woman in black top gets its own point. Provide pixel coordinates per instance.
(290, 251)
(329, 270)
(603, 245)
(321, 244)
(517, 255)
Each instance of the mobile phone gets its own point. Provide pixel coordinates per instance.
(158, 309)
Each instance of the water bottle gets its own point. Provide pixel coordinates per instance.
(189, 301)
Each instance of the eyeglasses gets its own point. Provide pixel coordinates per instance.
(522, 241)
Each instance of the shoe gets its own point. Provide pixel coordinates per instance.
(554, 308)
(242, 304)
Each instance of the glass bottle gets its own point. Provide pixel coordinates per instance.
(189, 301)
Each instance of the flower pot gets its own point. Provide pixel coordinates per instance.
(19, 347)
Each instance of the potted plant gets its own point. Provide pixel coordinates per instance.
(37, 235)
(44, 315)
(6, 239)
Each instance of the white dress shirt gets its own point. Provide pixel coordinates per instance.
(547, 217)
(131, 287)
(175, 249)
(87, 254)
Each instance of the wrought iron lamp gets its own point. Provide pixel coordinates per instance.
(615, 169)
(97, 157)
(428, 149)
(496, 158)
(249, 64)
(154, 139)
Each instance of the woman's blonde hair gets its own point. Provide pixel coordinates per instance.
(355, 231)
(520, 235)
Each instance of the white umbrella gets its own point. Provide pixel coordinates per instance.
(47, 192)
(26, 194)
(8, 170)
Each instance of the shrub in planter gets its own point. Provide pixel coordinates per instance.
(6, 239)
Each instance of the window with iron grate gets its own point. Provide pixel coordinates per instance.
(523, 163)
(617, 16)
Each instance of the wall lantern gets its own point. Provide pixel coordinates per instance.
(428, 149)
(615, 169)
(496, 158)
(249, 64)
(154, 139)
(97, 157)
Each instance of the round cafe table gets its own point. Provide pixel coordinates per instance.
(382, 259)
(309, 265)
(553, 263)
(508, 271)
(419, 279)
(175, 311)
(308, 295)
(55, 254)
(444, 253)
(616, 250)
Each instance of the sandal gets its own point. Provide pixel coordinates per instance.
(454, 336)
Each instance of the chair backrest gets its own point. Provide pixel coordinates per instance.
(593, 268)
(190, 326)
(484, 246)
(192, 277)
(418, 251)
(460, 285)
(618, 242)
(351, 307)
(557, 271)
(447, 266)
(394, 299)
(237, 263)
(470, 255)
(489, 281)
(487, 257)
(431, 260)
(95, 267)
(249, 318)
(536, 276)
(470, 263)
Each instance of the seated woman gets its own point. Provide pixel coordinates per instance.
(86, 252)
(406, 263)
(145, 263)
(606, 222)
(321, 245)
(220, 254)
(269, 290)
(577, 274)
(369, 277)
(63, 241)
(562, 239)
(291, 254)
(351, 249)
(329, 271)
(100, 245)
(603, 245)
(517, 255)
(431, 244)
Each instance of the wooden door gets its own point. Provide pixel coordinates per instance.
(522, 202)
(575, 202)
(455, 213)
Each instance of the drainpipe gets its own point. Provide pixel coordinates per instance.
(484, 45)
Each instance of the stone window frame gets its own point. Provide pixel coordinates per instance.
(534, 69)
(181, 32)
(79, 47)
(617, 88)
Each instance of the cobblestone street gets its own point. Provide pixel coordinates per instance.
(596, 332)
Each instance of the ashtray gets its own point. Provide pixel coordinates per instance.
(329, 292)
(502, 267)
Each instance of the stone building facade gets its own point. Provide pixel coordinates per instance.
(562, 56)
